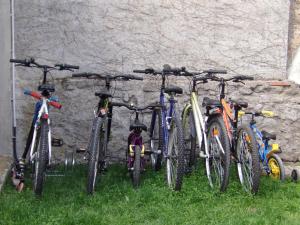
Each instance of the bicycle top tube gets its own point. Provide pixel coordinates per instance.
(30, 62)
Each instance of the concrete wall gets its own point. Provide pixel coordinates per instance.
(245, 37)
(5, 106)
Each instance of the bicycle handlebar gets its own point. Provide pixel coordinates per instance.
(30, 62)
(109, 77)
(135, 108)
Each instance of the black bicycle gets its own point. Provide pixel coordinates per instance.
(101, 127)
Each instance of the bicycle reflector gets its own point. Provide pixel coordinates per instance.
(241, 113)
(215, 132)
(267, 113)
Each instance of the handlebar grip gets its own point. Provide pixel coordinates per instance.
(67, 66)
(139, 71)
(211, 71)
(25, 62)
(55, 104)
(132, 77)
(243, 77)
(79, 74)
(34, 94)
(22, 61)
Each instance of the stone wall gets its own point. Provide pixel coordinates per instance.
(244, 37)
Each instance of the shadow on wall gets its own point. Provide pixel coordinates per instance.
(294, 70)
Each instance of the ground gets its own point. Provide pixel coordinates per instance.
(64, 201)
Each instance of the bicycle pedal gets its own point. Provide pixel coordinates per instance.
(81, 150)
(57, 142)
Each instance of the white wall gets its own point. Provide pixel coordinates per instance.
(5, 106)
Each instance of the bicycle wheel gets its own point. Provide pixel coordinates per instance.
(189, 132)
(96, 143)
(156, 140)
(219, 153)
(175, 158)
(40, 162)
(136, 174)
(276, 167)
(248, 159)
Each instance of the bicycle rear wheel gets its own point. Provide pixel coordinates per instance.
(248, 159)
(40, 161)
(156, 140)
(219, 153)
(95, 145)
(175, 158)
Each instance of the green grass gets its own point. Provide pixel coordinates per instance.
(65, 202)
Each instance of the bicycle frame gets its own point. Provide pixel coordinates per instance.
(135, 139)
(43, 113)
(167, 114)
(265, 150)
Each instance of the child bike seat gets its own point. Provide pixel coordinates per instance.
(267, 136)
(103, 94)
(207, 102)
(173, 89)
(138, 125)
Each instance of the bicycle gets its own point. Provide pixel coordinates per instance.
(101, 126)
(39, 139)
(236, 140)
(271, 162)
(135, 153)
(194, 124)
(166, 134)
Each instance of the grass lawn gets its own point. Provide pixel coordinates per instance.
(65, 202)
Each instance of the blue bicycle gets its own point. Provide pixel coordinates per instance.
(166, 133)
(271, 162)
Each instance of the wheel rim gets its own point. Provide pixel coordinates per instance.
(274, 168)
(215, 154)
(172, 162)
(245, 161)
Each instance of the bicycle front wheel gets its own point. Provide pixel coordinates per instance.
(40, 161)
(136, 174)
(248, 159)
(175, 157)
(219, 153)
(189, 132)
(96, 144)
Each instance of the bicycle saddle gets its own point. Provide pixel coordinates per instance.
(46, 87)
(211, 102)
(138, 125)
(240, 104)
(267, 136)
(174, 89)
(103, 94)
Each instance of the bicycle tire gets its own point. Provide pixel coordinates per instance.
(176, 182)
(219, 181)
(280, 167)
(136, 173)
(189, 139)
(253, 180)
(156, 159)
(94, 147)
(41, 158)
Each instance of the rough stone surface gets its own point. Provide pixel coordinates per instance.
(245, 37)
